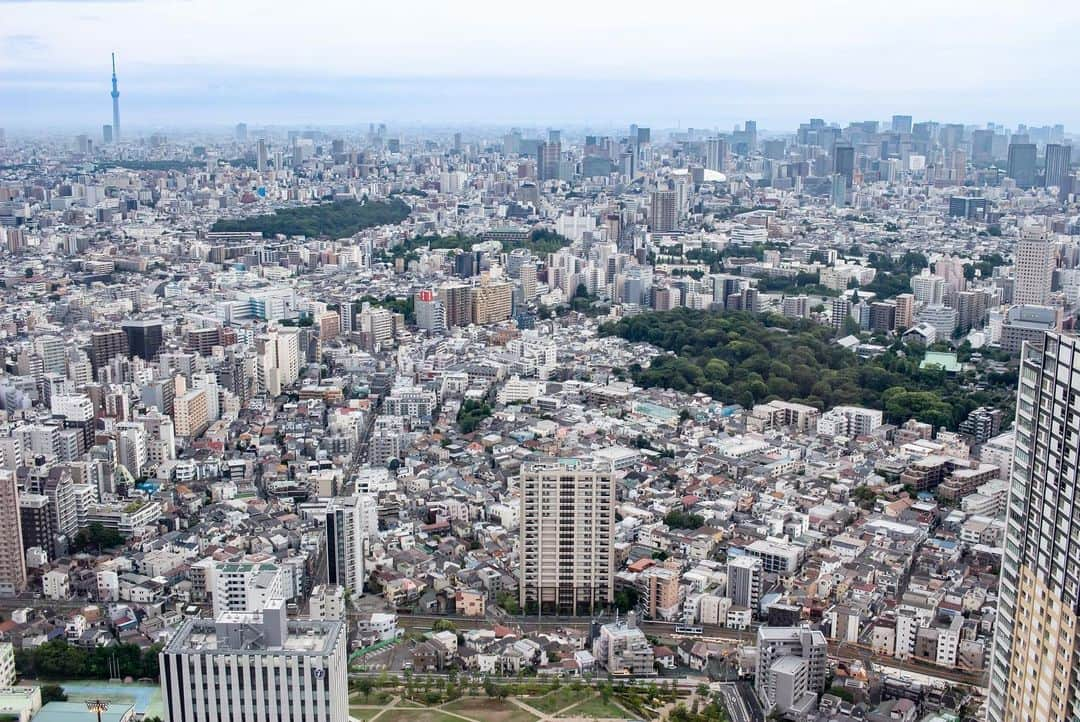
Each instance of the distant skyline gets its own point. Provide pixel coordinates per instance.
(197, 63)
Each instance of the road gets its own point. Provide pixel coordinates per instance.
(733, 701)
(844, 651)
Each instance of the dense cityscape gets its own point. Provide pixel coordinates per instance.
(540, 423)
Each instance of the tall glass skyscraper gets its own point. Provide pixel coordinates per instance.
(1034, 661)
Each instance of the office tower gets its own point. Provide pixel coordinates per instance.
(745, 575)
(792, 663)
(567, 536)
(350, 523)
(467, 264)
(512, 142)
(750, 130)
(115, 103)
(901, 124)
(663, 211)
(716, 154)
(12, 561)
(972, 209)
(982, 147)
(1021, 166)
(106, 134)
(838, 191)
(260, 662)
(1057, 164)
(1034, 268)
(241, 132)
(143, 337)
(1035, 652)
(260, 156)
(548, 156)
(246, 586)
(844, 163)
(105, 346)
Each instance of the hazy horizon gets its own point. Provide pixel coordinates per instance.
(198, 64)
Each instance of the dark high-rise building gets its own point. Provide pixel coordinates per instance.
(548, 156)
(143, 337)
(107, 345)
(882, 316)
(455, 300)
(467, 264)
(982, 147)
(38, 520)
(1022, 164)
(844, 162)
(901, 124)
(973, 209)
(1058, 158)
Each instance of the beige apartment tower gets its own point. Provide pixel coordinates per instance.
(567, 537)
(12, 561)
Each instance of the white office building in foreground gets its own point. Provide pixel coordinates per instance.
(257, 667)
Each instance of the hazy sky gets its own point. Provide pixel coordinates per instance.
(697, 64)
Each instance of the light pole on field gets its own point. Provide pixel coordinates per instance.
(98, 706)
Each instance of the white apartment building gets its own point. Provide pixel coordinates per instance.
(246, 586)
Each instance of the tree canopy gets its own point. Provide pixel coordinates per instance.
(471, 414)
(56, 659)
(327, 220)
(749, 359)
